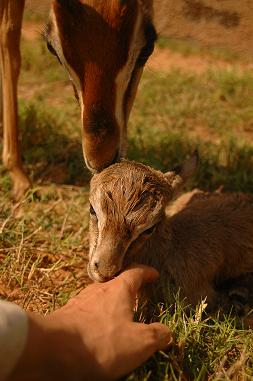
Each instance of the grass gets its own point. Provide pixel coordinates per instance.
(177, 112)
(191, 47)
(43, 247)
(203, 348)
(44, 240)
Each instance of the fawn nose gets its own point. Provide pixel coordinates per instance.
(96, 265)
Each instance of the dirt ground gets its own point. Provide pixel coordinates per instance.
(166, 59)
(211, 22)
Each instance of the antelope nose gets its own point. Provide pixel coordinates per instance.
(116, 157)
(101, 136)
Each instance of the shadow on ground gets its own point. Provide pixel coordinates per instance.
(228, 165)
(51, 152)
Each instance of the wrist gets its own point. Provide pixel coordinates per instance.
(47, 353)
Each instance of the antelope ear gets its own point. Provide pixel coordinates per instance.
(180, 175)
(147, 7)
(72, 6)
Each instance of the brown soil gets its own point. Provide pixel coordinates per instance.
(166, 59)
(211, 22)
(38, 7)
(31, 30)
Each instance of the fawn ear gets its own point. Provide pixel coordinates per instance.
(180, 175)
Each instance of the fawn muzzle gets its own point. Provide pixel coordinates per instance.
(105, 263)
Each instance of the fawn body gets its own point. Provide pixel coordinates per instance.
(197, 242)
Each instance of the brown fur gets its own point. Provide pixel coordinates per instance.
(198, 244)
(11, 12)
(95, 38)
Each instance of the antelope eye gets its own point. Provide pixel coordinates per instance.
(51, 49)
(92, 211)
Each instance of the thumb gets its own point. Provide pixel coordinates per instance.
(160, 335)
(143, 340)
(152, 338)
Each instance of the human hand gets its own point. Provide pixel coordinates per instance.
(93, 337)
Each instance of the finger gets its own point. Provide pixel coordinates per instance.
(143, 341)
(136, 276)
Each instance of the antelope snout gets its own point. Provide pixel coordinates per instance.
(101, 138)
(96, 166)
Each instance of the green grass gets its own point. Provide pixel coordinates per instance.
(177, 112)
(44, 239)
(203, 348)
(191, 47)
(51, 140)
(36, 11)
(219, 101)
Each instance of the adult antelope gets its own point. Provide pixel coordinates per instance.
(103, 45)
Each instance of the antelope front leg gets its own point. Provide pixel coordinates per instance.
(1, 103)
(11, 12)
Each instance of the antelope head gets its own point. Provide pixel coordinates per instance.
(103, 45)
(127, 203)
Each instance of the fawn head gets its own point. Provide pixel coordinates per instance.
(127, 202)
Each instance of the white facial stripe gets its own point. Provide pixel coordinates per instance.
(122, 79)
(101, 217)
(124, 76)
(102, 221)
(72, 74)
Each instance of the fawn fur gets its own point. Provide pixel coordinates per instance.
(196, 242)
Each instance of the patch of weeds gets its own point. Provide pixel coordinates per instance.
(48, 150)
(43, 248)
(5, 180)
(229, 166)
(203, 348)
(183, 46)
(37, 13)
(188, 47)
(177, 112)
(218, 102)
(36, 56)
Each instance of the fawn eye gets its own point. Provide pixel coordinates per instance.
(150, 230)
(92, 211)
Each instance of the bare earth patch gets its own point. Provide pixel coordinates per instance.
(166, 60)
(31, 30)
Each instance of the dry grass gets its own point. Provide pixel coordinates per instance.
(43, 247)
